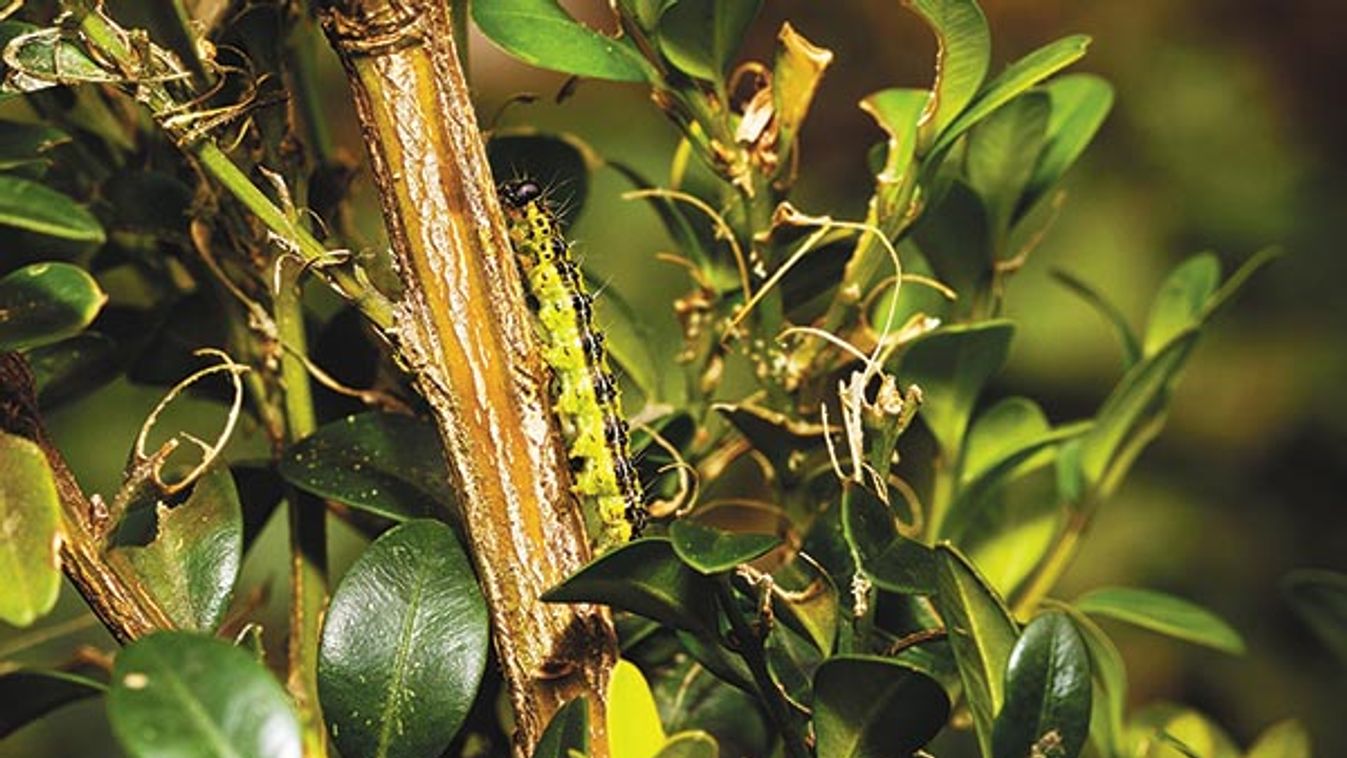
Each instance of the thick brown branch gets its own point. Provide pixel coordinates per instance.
(107, 584)
(465, 330)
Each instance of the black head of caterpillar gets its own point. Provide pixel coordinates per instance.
(585, 395)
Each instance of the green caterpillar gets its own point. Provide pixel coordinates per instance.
(584, 392)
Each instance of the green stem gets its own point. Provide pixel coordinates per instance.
(751, 650)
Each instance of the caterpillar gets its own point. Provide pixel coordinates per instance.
(585, 394)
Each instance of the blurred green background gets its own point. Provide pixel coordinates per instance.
(1227, 134)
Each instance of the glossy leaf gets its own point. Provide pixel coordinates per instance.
(981, 632)
(963, 53)
(30, 523)
(647, 578)
(1182, 300)
(190, 695)
(1320, 598)
(689, 745)
(1109, 700)
(542, 33)
(700, 37)
(1162, 613)
(29, 694)
(36, 208)
(1080, 103)
(867, 706)
(893, 562)
(1285, 739)
(191, 565)
(1016, 79)
(709, 550)
(1131, 344)
(951, 365)
(1008, 534)
(404, 645)
(43, 303)
(634, 728)
(1002, 151)
(1047, 698)
(568, 730)
(384, 463)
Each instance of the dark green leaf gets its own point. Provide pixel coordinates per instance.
(893, 562)
(1285, 739)
(73, 367)
(689, 745)
(1047, 700)
(1109, 699)
(30, 519)
(404, 645)
(700, 37)
(951, 365)
(1320, 598)
(712, 551)
(29, 694)
(647, 578)
(1017, 78)
(1162, 613)
(1131, 345)
(43, 303)
(866, 706)
(568, 730)
(981, 632)
(809, 602)
(540, 32)
(691, 698)
(22, 144)
(1080, 102)
(36, 208)
(1002, 151)
(189, 695)
(384, 463)
(194, 560)
(629, 341)
(777, 436)
(964, 50)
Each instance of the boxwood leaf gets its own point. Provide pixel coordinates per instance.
(1162, 613)
(951, 365)
(194, 559)
(1080, 102)
(693, 744)
(645, 577)
(1284, 739)
(29, 694)
(35, 207)
(22, 144)
(981, 632)
(1131, 344)
(709, 550)
(384, 463)
(869, 706)
(190, 695)
(1181, 302)
(73, 367)
(963, 53)
(1320, 598)
(634, 729)
(404, 645)
(568, 730)
(700, 37)
(30, 522)
(893, 562)
(1109, 700)
(1002, 151)
(43, 303)
(540, 32)
(1168, 731)
(1047, 699)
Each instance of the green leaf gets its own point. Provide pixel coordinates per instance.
(691, 698)
(1285, 739)
(36, 208)
(29, 694)
(1109, 700)
(1047, 699)
(23, 144)
(808, 603)
(868, 706)
(194, 560)
(951, 365)
(645, 577)
(540, 32)
(568, 730)
(1162, 613)
(1002, 151)
(1017, 78)
(634, 729)
(73, 367)
(692, 744)
(700, 37)
(1131, 345)
(963, 53)
(384, 463)
(1320, 599)
(981, 633)
(30, 522)
(893, 562)
(404, 645)
(44, 303)
(1168, 731)
(1181, 302)
(646, 13)
(898, 112)
(189, 695)
(709, 550)
(1012, 424)
(1080, 103)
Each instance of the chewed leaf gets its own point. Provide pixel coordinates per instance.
(963, 55)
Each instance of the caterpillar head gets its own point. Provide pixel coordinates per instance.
(520, 192)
